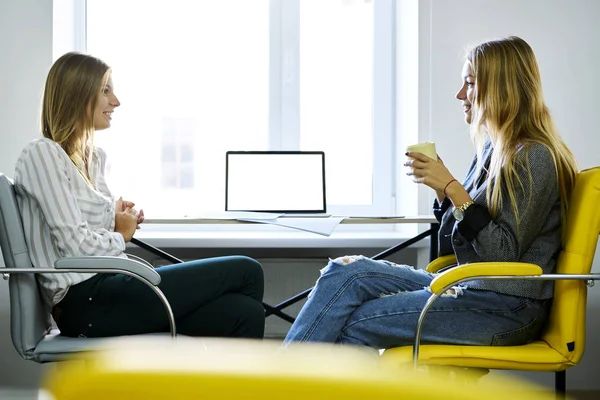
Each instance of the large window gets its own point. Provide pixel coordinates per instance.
(199, 77)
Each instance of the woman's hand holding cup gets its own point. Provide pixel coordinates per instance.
(426, 167)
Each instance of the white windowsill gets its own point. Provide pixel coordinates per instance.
(272, 239)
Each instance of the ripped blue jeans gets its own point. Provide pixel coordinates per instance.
(377, 304)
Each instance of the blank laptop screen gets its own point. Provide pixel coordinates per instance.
(271, 181)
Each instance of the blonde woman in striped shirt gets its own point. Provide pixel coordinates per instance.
(68, 210)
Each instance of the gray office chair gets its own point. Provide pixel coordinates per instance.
(33, 333)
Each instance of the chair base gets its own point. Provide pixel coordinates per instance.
(560, 384)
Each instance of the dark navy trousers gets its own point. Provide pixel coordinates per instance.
(218, 297)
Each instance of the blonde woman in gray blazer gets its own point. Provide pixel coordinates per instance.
(510, 207)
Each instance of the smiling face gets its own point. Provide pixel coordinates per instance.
(466, 94)
(106, 102)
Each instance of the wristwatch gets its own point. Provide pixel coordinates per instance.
(459, 212)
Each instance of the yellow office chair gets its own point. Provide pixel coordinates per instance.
(562, 344)
(244, 369)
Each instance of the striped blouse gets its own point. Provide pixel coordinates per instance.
(62, 215)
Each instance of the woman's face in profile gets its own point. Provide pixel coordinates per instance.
(105, 105)
(467, 90)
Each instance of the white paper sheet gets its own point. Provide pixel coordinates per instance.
(320, 226)
(240, 215)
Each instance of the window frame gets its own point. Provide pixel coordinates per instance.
(284, 89)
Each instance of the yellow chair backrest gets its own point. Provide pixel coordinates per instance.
(566, 327)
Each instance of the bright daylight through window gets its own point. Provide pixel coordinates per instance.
(198, 78)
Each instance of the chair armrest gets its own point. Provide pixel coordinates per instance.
(482, 269)
(440, 263)
(140, 259)
(109, 263)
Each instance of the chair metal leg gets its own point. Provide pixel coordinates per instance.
(560, 384)
(270, 310)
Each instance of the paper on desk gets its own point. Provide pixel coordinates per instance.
(239, 215)
(320, 226)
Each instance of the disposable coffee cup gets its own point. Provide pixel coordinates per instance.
(427, 148)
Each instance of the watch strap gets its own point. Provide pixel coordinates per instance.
(466, 205)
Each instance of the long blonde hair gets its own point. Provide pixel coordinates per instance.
(70, 96)
(509, 109)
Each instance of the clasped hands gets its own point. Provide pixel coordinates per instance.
(127, 219)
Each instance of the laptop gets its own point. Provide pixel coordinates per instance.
(284, 182)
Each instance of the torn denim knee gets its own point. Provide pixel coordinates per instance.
(384, 294)
(454, 291)
(344, 260)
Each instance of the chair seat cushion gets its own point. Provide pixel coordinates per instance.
(55, 347)
(535, 356)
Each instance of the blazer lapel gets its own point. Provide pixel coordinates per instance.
(480, 184)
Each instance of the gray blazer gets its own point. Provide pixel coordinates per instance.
(537, 239)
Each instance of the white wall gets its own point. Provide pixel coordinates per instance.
(25, 57)
(565, 35)
(566, 39)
